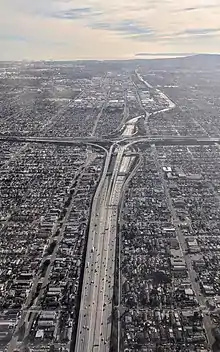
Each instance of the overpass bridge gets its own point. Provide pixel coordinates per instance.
(106, 143)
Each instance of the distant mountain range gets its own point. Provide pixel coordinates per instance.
(164, 55)
(194, 62)
(174, 61)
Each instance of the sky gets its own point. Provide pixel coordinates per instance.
(107, 29)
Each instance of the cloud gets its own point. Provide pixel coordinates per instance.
(12, 38)
(199, 32)
(126, 27)
(107, 29)
(72, 14)
(201, 7)
(189, 9)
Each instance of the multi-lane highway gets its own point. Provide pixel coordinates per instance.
(125, 138)
(94, 323)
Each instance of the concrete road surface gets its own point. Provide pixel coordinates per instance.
(94, 324)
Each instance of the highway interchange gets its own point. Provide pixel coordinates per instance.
(94, 321)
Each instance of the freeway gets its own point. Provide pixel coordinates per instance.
(94, 322)
(94, 325)
(170, 103)
(53, 140)
(142, 80)
(128, 136)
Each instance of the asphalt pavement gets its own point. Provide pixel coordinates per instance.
(94, 324)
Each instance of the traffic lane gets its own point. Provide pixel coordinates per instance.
(88, 291)
(87, 298)
(106, 328)
(101, 291)
(94, 282)
(102, 320)
(100, 283)
(87, 325)
(97, 263)
(100, 194)
(106, 318)
(109, 281)
(114, 193)
(107, 255)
